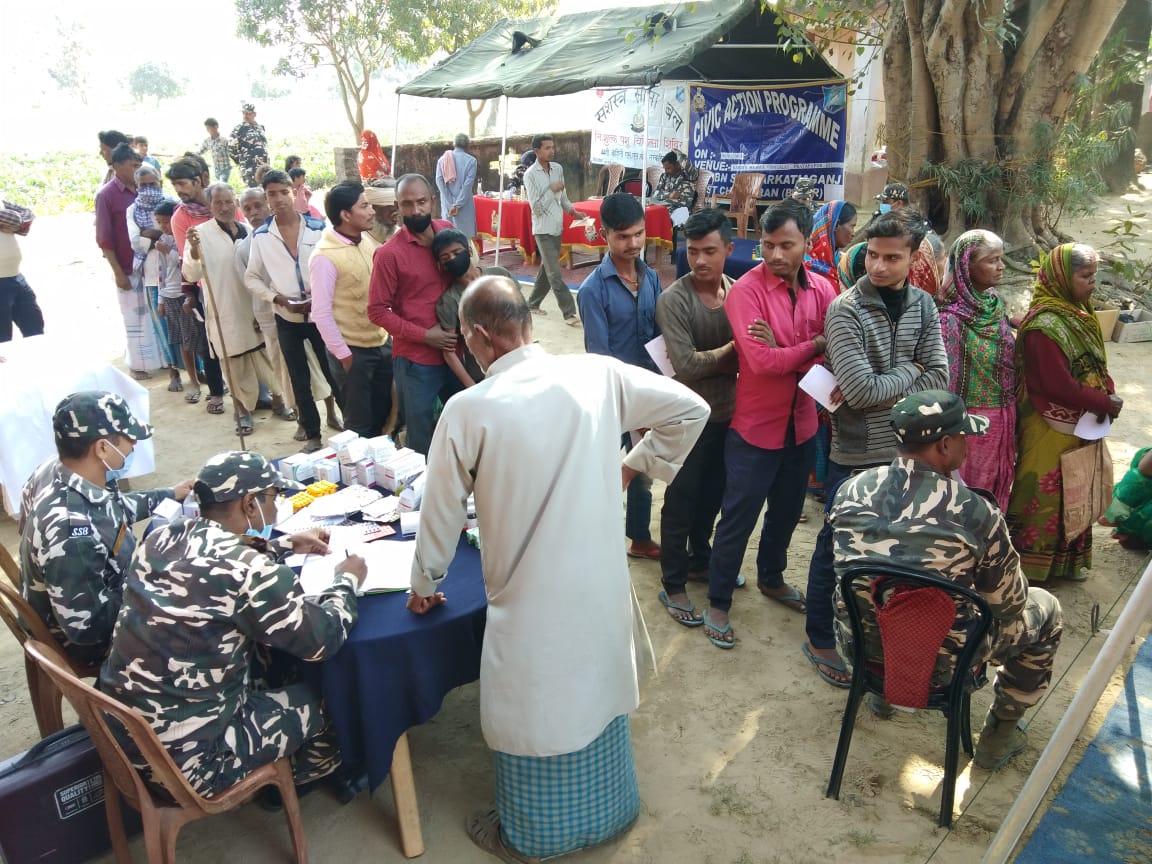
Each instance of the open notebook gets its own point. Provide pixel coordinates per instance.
(389, 566)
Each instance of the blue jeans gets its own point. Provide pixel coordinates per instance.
(820, 617)
(638, 503)
(418, 386)
(754, 475)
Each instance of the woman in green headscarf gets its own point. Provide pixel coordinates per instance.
(1063, 374)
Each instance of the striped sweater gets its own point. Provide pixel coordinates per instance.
(875, 364)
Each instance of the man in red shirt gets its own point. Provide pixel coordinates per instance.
(406, 284)
(777, 316)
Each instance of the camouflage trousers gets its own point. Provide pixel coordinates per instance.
(1025, 653)
(271, 724)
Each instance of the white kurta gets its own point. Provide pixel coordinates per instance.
(539, 442)
(228, 292)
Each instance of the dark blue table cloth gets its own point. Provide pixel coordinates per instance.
(396, 667)
(737, 264)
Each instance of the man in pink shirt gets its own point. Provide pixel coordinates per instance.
(777, 315)
(406, 284)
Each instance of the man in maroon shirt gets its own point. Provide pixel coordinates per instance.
(777, 315)
(406, 284)
(112, 203)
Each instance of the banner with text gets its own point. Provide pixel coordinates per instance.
(618, 124)
(784, 133)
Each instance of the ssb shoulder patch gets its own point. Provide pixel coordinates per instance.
(81, 531)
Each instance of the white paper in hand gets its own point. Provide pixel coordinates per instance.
(819, 384)
(1091, 427)
(658, 350)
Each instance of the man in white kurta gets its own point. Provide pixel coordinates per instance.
(228, 306)
(557, 671)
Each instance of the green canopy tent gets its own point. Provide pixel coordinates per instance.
(719, 42)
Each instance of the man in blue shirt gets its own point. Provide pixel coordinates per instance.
(618, 307)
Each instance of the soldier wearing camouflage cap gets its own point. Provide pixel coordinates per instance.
(76, 537)
(248, 144)
(914, 514)
(205, 599)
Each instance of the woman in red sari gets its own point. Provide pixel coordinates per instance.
(371, 161)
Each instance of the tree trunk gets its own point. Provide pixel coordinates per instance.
(474, 112)
(955, 93)
(1135, 22)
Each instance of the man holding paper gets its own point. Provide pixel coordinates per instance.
(884, 342)
(558, 673)
(770, 446)
(618, 306)
(204, 601)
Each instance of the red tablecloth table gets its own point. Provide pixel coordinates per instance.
(515, 225)
(657, 228)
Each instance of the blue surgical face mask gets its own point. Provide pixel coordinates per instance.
(265, 530)
(111, 474)
(885, 207)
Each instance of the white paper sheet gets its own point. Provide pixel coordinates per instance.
(819, 383)
(389, 567)
(586, 222)
(1091, 428)
(658, 350)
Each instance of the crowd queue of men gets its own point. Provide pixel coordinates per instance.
(521, 430)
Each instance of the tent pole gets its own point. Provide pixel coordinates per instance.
(500, 171)
(395, 134)
(644, 156)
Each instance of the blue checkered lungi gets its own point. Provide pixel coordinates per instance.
(550, 805)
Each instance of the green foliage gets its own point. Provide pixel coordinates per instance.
(69, 69)
(1121, 249)
(155, 80)
(421, 28)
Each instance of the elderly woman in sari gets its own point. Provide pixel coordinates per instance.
(832, 230)
(981, 358)
(1061, 362)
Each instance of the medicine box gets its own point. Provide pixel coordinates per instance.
(341, 438)
(1137, 330)
(298, 467)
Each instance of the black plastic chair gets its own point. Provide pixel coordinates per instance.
(954, 698)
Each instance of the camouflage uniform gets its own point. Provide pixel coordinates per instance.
(248, 147)
(76, 539)
(200, 605)
(908, 514)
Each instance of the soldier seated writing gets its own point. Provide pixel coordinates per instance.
(915, 514)
(76, 537)
(204, 601)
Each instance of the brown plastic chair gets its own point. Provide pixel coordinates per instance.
(9, 566)
(652, 174)
(24, 623)
(614, 174)
(703, 181)
(162, 820)
(742, 206)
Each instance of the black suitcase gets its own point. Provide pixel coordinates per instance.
(52, 803)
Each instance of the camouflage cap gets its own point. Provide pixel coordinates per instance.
(893, 192)
(247, 108)
(235, 473)
(931, 414)
(92, 414)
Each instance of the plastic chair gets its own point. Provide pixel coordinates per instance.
(614, 174)
(10, 567)
(742, 206)
(162, 820)
(703, 181)
(25, 624)
(954, 698)
(652, 174)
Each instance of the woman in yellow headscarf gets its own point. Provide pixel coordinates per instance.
(1062, 372)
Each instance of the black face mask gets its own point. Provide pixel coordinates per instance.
(458, 265)
(418, 224)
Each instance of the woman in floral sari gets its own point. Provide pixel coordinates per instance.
(832, 231)
(981, 359)
(1063, 374)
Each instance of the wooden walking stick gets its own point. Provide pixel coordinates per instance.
(210, 299)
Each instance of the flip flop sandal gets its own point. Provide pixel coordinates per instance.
(710, 628)
(650, 554)
(300, 435)
(174, 386)
(484, 831)
(695, 619)
(215, 405)
(794, 600)
(244, 425)
(838, 666)
(285, 413)
(192, 397)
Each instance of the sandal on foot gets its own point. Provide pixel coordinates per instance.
(192, 396)
(215, 405)
(484, 831)
(647, 550)
(300, 435)
(794, 600)
(819, 663)
(720, 632)
(174, 385)
(285, 413)
(693, 619)
(244, 425)
(334, 424)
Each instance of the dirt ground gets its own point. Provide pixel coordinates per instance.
(733, 749)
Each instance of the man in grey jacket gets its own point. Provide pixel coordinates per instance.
(884, 342)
